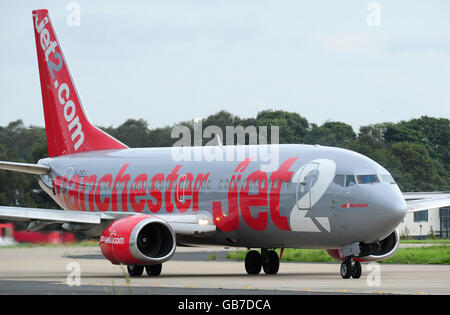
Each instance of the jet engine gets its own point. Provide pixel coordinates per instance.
(138, 240)
(363, 252)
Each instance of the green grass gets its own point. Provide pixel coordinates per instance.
(427, 241)
(439, 254)
(212, 257)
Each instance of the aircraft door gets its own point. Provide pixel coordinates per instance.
(313, 179)
(180, 188)
(305, 179)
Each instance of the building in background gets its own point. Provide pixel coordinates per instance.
(422, 224)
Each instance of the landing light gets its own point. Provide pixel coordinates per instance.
(203, 222)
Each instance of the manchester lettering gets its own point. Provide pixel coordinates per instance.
(179, 191)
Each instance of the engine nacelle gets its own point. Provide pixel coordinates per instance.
(382, 250)
(138, 240)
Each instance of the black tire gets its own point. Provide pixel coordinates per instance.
(356, 270)
(153, 270)
(135, 271)
(270, 262)
(346, 269)
(253, 262)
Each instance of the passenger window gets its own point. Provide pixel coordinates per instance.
(339, 180)
(350, 180)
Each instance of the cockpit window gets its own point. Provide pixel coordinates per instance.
(367, 179)
(387, 179)
(350, 180)
(339, 180)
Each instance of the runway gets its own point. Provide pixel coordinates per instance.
(194, 271)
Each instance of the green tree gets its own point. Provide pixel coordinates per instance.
(292, 126)
(332, 133)
(132, 132)
(417, 167)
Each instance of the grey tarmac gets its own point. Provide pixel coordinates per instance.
(46, 270)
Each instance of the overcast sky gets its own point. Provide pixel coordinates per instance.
(166, 61)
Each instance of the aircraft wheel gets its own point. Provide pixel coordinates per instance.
(135, 271)
(153, 270)
(346, 269)
(270, 262)
(356, 270)
(253, 262)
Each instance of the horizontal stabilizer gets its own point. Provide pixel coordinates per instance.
(25, 168)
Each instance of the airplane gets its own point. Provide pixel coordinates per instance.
(142, 203)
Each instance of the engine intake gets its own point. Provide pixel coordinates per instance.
(382, 250)
(138, 240)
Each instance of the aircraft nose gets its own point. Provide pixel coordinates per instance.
(393, 207)
(397, 209)
(388, 212)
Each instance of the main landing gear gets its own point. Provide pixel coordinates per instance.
(137, 270)
(350, 268)
(268, 260)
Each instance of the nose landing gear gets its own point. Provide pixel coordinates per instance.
(350, 268)
(268, 260)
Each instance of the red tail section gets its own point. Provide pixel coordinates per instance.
(67, 125)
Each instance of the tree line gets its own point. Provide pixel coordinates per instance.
(415, 152)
